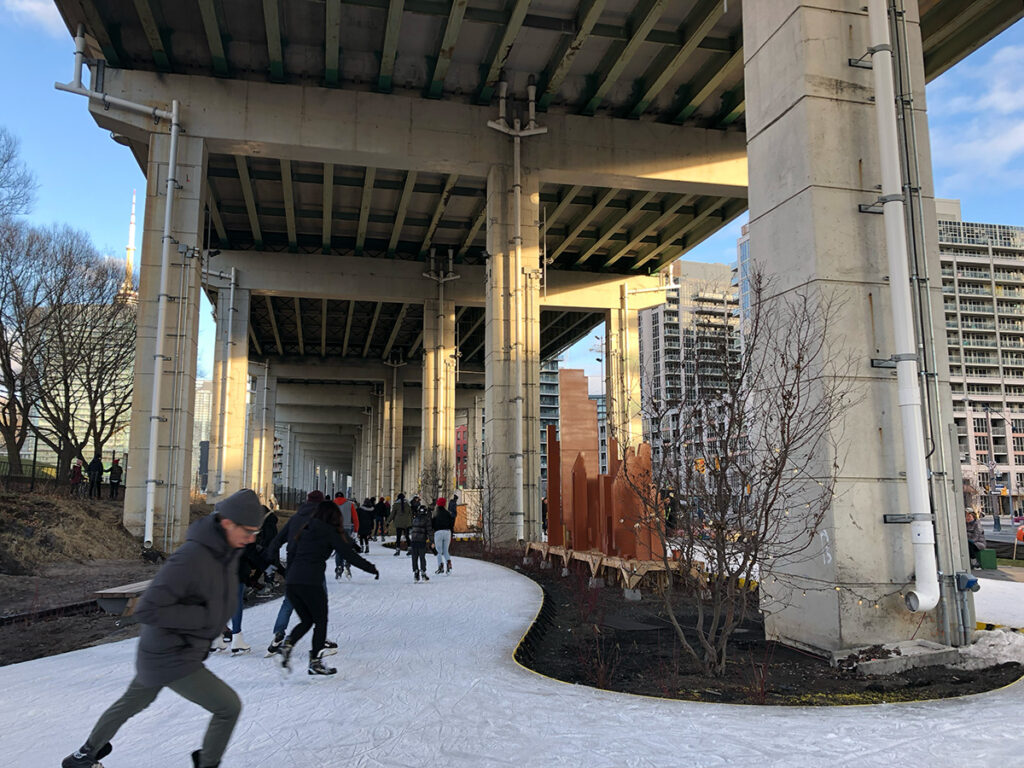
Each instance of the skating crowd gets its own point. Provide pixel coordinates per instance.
(185, 612)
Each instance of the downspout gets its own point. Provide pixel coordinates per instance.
(263, 434)
(517, 276)
(225, 371)
(925, 593)
(76, 87)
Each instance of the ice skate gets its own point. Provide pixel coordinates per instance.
(448, 567)
(398, 551)
(238, 645)
(330, 648)
(83, 757)
(197, 764)
(337, 572)
(425, 577)
(286, 655)
(317, 667)
(221, 643)
(439, 571)
(275, 645)
(348, 573)
(416, 576)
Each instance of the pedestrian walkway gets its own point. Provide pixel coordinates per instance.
(426, 678)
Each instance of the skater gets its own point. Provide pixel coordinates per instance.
(443, 522)
(270, 557)
(185, 607)
(115, 478)
(401, 516)
(366, 522)
(95, 472)
(349, 524)
(419, 534)
(76, 479)
(381, 511)
(309, 546)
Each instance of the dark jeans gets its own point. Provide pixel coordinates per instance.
(364, 542)
(202, 687)
(972, 550)
(398, 538)
(95, 484)
(339, 561)
(310, 602)
(114, 488)
(419, 556)
(379, 527)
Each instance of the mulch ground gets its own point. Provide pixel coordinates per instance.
(596, 637)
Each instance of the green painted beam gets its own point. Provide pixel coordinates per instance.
(582, 222)
(619, 56)
(565, 53)
(710, 79)
(250, 199)
(288, 194)
(213, 37)
(502, 49)
(651, 224)
(562, 207)
(273, 324)
(446, 195)
(693, 33)
(364, 210)
(447, 51)
(94, 24)
(394, 332)
(635, 210)
(332, 45)
(478, 222)
(218, 223)
(327, 209)
(272, 22)
(734, 104)
(152, 32)
(385, 81)
(403, 209)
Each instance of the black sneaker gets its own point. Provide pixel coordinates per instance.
(416, 575)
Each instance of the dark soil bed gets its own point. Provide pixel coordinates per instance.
(597, 637)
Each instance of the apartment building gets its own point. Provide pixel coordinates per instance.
(983, 301)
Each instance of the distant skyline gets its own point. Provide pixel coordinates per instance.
(976, 121)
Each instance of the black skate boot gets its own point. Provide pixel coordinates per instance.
(317, 666)
(330, 648)
(449, 567)
(415, 575)
(337, 572)
(197, 764)
(425, 577)
(84, 757)
(439, 571)
(275, 645)
(286, 655)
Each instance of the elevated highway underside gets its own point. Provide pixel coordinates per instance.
(383, 261)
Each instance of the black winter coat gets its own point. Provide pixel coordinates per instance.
(187, 605)
(272, 550)
(365, 520)
(420, 532)
(443, 520)
(310, 545)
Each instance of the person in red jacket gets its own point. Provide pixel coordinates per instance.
(350, 525)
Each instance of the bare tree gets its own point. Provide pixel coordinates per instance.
(22, 298)
(17, 185)
(745, 461)
(83, 366)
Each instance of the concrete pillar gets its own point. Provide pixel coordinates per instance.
(474, 447)
(813, 158)
(230, 386)
(511, 351)
(357, 464)
(177, 407)
(263, 406)
(394, 407)
(437, 442)
(622, 373)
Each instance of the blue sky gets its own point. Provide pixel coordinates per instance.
(976, 119)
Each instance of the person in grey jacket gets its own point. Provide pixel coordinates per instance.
(420, 533)
(185, 607)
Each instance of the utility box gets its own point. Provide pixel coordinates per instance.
(987, 559)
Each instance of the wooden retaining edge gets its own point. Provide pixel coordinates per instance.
(628, 571)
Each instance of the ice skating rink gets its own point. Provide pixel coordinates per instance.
(427, 680)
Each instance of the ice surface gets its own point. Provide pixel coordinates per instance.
(426, 678)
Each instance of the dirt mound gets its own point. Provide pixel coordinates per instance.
(40, 529)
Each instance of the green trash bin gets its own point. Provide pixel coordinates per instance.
(987, 559)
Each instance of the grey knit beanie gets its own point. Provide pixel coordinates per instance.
(242, 508)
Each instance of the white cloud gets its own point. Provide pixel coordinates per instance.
(36, 13)
(976, 115)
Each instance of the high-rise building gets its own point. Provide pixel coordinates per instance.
(983, 301)
(549, 411)
(602, 430)
(201, 427)
(684, 345)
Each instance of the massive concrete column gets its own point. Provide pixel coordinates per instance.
(622, 373)
(512, 360)
(438, 401)
(261, 452)
(230, 382)
(175, 419)
(812, 147)
(394, 407)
